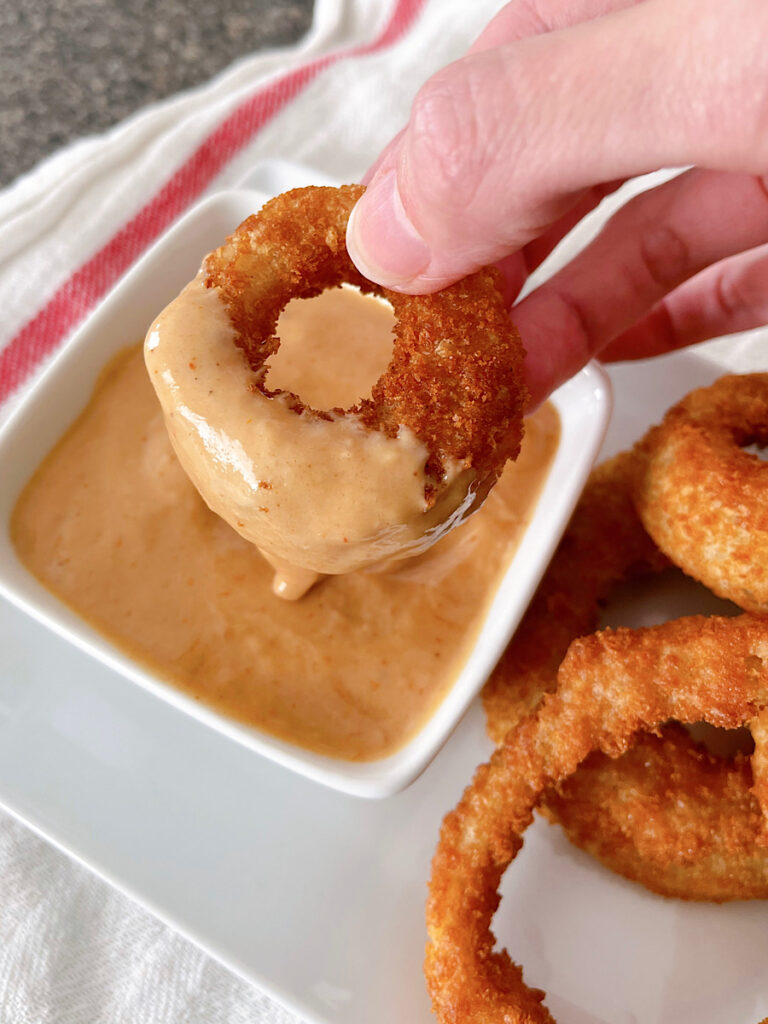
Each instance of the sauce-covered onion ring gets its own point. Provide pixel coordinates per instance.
(455, 378)
(611, 685)
(334, 490)
(704, 500)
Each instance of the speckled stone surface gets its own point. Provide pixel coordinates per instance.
(73, 67)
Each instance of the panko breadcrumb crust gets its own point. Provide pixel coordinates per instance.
(604, 545)
(669, 815)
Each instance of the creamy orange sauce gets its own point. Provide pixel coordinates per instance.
(112, 525)
(322, 494)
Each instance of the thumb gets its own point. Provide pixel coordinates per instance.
(504, 141)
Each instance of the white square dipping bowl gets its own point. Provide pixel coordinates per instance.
(583, 405)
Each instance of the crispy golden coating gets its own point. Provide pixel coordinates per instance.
(669, 815)
(603, 545)
(455, 379)
(611, 685)
(704, 500)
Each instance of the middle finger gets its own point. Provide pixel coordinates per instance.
(654, 243)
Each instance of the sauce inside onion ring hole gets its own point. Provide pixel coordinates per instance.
(312, 362)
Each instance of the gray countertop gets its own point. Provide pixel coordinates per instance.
(73, 67)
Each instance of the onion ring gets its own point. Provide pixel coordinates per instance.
(669, 815)
(610, 686)
(455, 377)
(334, 490)
(454, 383)
(704, 500)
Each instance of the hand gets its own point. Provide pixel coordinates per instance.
(555, 105)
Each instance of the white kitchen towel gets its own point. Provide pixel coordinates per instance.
(73, 951)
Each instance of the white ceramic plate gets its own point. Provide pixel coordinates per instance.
(317, 897)
(583, 404)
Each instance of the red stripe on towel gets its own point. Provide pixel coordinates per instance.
(71, 303)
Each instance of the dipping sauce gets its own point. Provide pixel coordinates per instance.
(112, 525)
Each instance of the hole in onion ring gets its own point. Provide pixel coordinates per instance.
(313, 365)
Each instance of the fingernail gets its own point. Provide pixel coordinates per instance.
(383, 243)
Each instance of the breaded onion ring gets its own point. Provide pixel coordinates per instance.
(637, 821)
(610, 686)
(669, 815)
(455, 376)
(453, 392)
(704, 500)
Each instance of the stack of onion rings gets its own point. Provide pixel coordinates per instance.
(610, 686)
(667, 814)
(590, 740)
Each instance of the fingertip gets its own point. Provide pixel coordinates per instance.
(381, 240)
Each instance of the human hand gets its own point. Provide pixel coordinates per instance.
(555, 105)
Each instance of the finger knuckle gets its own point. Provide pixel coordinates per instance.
(575, 326)
(459, 139)
(740, 294)
(529, 17)
(664, 255)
